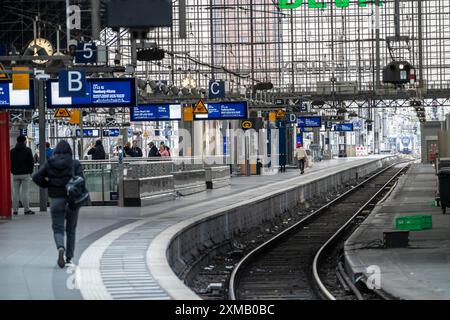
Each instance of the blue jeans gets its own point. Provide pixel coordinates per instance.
(62, 213)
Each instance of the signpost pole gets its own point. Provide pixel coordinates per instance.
(40, 101)
(5, 167)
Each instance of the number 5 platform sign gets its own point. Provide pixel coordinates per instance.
(86, 53)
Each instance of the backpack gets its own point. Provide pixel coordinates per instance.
(77, 193)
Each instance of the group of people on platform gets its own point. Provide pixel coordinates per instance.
(131, 150)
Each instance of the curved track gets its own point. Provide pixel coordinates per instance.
(287, 266)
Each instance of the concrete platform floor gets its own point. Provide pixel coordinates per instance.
(28, 256)
(421, 271)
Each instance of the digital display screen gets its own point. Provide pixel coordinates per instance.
(111, 132)
(225, 111)
(102, 93)
(344, 127)
(15, 99)
(156, 112)
(89, 133)
(309, 122)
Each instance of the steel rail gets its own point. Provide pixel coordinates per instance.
(234, 278)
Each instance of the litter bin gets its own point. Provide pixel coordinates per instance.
(444, 188)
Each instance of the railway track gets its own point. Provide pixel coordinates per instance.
(288, 265)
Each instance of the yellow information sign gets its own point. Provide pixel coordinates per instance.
(21, 81)
(200, 108)
(188, 114)
(62, 113)
(272, 116)
(75, 117)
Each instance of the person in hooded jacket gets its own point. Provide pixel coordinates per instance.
(97, 151)
(54, 175)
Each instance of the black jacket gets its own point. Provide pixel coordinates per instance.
(137, 151)
(22, 161)
(154, 152)
(57, 171)
(128, 152)
(97, 153)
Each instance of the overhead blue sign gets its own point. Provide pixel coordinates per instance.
(217, 89)
(328, 125)
(86, 52)
(225, 111)
(304, 107)
(101, 93)
(88, 133)
(111, 132)
(15, 99)
(156, 112)
(344, 127)
(309, 122)
(72, 83)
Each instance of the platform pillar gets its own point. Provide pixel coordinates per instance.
(5, 167)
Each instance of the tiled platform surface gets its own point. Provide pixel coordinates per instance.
(105, 235)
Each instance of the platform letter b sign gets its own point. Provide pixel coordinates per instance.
(72, 83)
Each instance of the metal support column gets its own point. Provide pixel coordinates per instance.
(40, 99)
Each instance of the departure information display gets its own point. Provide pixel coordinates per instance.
(15, 99)
(309, 122)
(156, 112)
(344, 127)
(102, 93)
(225, 111)
(111, 132)
(88, 133)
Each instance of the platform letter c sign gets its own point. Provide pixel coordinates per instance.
(374, 280)
(216, 89)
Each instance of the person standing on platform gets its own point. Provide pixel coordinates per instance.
(164, 152)
(97, 151)
(48, 150)
(22, 166)
(128, 151)
(302, 157)
(55, 175)
(137, 151)
(153, 153)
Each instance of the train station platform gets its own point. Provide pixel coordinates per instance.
(122, 253)
(420, 271)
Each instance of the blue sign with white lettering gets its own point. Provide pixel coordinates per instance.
(101, 93)
(88, 133)
(309, 122)
(217, 89)
(111, 132)
(156, 112)
(304, 107)
(328, 125)
(72, 83)
(86, 52)
(15, 99)
(225, 111)
(344, 127)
